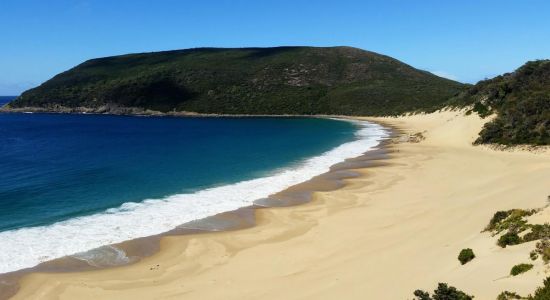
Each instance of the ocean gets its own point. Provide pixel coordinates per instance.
(71, 183)
(6, 99)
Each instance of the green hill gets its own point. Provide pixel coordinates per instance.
(282, 80)
(521, 101)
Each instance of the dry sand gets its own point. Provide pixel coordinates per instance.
(398, 228)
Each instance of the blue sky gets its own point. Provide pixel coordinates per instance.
(464, 40)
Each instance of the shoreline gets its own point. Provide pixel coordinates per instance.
(138, 249)
(137, 111)
(140, 112)
(407, 217)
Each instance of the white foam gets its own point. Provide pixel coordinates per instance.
(27, 247)
(104, 256)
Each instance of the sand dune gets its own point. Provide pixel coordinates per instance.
(398, 228)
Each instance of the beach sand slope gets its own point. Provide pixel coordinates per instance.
(397, 228)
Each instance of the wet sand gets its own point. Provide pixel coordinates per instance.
(397, 227)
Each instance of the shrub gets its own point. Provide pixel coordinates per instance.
(482, 110)
(497, 218)
(466, 255)
(533, 255)
(443, 292)
(521, 268)
(509, 238)
(521, 101)
(542, 293)
(511, 220)
(537, 232)
(422, 295)
(508, 296)
(543, 249)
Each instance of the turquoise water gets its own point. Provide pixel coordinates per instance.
(98, 179)
(55, 167)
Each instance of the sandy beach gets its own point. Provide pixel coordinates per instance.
(397, 228)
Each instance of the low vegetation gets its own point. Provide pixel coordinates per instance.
(542, 293)
(518, 230)
(514, 223)
(506, 295)
(443, 292)
(521, 268)
(537, 232)
(509, 220)
(509, 238)
(533, 255)
(513, 228)
(521, 102)
(497, 218)
(466, 255)
(543, 249)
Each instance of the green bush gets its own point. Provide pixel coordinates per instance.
(509, 238)
(422, 295)
(482, 110)
(537, 232)
(498, 217)
(466, 255)
(542, 293)
(533, 255)
(543, 249)
(511, 220)
(508, 296)
(443, 292)
(521, 101)
(521, 268)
